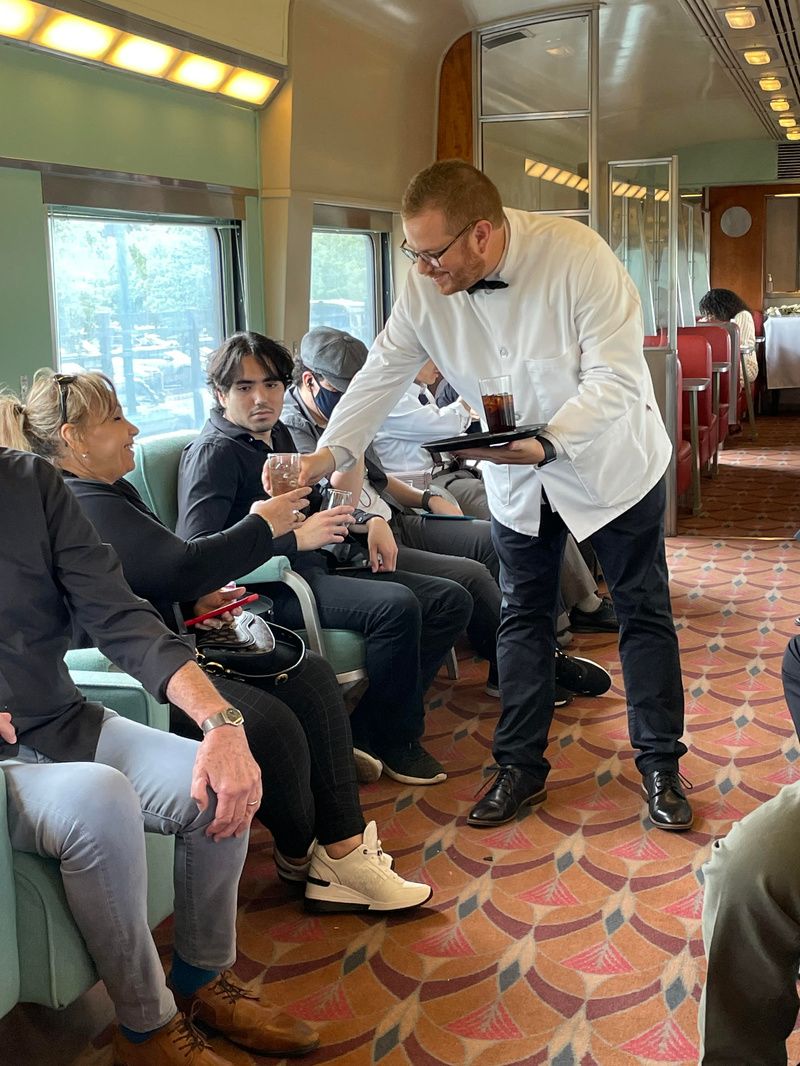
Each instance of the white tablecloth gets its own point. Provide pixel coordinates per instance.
(783, 352)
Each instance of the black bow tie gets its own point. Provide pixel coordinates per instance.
(484, 284)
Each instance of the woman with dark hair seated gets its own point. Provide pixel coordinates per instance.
(722, 305)
(302, 740)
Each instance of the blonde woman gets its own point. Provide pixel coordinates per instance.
(302, 741)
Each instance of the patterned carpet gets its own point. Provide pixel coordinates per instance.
(571, 936)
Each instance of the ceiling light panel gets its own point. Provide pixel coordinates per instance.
(793, 135)
(787, 121)
(30, 23)
(770, 84)
(75, 36)
(757, 57)
(18, 18)
(779, 103)
(142, 56)
(741, 16)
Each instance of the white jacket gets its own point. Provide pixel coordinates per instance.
(568, 329)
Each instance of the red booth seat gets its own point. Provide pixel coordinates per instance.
(694, 354)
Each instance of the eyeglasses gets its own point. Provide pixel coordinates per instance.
(63, 381)
(434, 259)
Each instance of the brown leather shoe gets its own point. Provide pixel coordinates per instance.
(246, 1017)
(178, 1043)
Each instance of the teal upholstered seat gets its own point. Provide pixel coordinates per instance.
(156, 479)
(43, 958)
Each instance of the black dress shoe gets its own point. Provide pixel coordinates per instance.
(509, 789)
(666, 799)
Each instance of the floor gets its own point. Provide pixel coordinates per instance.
(571, 936)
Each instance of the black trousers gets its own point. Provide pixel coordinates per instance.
(631, 553)
(408, 621)
(790, 674)
(299, 734)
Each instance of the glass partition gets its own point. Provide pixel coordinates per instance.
(536, 98)
(536, 68)
(539, 165)
(639, 234)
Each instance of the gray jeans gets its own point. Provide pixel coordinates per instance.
(751, 932)
(92, 818)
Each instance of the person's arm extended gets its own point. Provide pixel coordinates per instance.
(224, 763)
(408, 496)
(350, 480)
(394, 360)
(161, 566)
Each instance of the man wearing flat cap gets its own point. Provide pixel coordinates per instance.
(408, 621)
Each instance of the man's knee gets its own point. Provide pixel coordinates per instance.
(101, 805)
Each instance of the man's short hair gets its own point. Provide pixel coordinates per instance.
(459, 190)
(224, 363)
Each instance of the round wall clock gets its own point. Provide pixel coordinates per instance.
(735, 222)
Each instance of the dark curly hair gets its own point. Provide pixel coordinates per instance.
(224, 363)
(722, 304)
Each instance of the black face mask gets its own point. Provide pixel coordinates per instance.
(326, 400)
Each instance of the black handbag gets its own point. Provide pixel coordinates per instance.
(251, 649)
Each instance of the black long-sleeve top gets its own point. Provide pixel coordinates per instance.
(158, 565)
(220, 477)
(55, 572)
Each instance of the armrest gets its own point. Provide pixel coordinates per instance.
(122, 694)
(273, 569)
(279, 569)
(88, 659)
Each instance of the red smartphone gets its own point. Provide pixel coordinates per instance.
(221, 610)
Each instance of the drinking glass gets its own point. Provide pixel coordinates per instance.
(339, 498)
(284, 472)
(498, 403)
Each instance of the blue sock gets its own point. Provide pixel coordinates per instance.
(186, 979)
(137, 1038)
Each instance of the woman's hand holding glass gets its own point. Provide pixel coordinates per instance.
(212, 600)
(283, 513)
(324, 527)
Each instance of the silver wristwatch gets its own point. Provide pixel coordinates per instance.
(230, 716)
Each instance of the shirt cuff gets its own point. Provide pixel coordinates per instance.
(548, 434)
(344, 459)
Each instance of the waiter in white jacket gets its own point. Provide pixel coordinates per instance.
(545, 300)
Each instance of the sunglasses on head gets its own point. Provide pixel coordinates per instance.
(63, 381)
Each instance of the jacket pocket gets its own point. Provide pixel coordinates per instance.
(554, 380)
(612, 468)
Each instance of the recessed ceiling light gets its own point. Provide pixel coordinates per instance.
(770, 84)
(741, 17)
(793, 135)
(779, 103)
(787, 122)
(757, 57)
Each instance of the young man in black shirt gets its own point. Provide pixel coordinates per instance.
(408, 621)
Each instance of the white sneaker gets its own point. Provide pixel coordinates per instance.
(361, 881)
(368, 767)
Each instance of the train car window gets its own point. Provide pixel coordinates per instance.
(344, 282)
(145, 300)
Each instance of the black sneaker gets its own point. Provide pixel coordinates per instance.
(411, 764)
(581, 676)
(603, 620)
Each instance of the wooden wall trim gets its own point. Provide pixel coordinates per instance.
(454, 129)
(737, 263)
